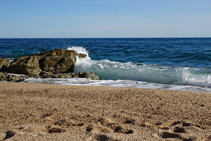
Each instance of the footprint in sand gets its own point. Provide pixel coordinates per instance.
(55, 130)
(107, 126)
(116, 127)
(67, 123)
(103, 138)
(129, 121)
(97, 129)
(100, 137)
(9, 134)
(178, 129)
(169, 135)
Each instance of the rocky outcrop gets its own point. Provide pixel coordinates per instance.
(4, 64)
(15, 78)
(57, 63)
(54, 61)
(88, 75)
(3, 75)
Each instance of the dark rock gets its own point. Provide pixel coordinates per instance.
(4, 64)
(65, 75)
(3, 75)
(54, 61)
(45, 74)
(69, 75)
(14, 78)
(88, 75)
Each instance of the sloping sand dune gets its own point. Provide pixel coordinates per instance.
(57, 112)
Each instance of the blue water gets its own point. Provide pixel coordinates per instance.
(168, 61)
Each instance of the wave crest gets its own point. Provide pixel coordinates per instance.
(112, 70)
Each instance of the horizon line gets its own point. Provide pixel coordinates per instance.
(94, 37)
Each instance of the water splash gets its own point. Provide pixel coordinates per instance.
(112, 70)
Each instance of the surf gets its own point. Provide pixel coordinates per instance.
(113, 70)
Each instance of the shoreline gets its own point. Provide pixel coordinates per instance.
(32, 111)
(117, 83)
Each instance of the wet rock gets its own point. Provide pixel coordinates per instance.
(4, 64)
(45, 74)
(88, 75)
(65, 75)
(14, 78)
(3, 75)
(69, 75)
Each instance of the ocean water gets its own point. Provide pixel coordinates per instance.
(160, 63)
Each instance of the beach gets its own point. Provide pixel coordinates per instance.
(63, 112)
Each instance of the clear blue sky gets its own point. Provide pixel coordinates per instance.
(104, 18)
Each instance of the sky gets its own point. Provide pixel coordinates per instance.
(104, 18)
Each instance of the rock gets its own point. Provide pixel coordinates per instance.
(14, 78)
(45, 74)
(68, 75)
(4, 64)
(59, 61)
(28, 65)
(88, 75)
(54, 61)
(3, 75)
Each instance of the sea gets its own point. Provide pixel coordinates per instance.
(158, 63)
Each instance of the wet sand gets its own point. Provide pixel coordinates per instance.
(58, 112)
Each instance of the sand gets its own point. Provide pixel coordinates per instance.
(58, 112)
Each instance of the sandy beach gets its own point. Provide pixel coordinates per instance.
(58, 112)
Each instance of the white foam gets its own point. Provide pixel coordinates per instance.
(111, 70)
(78, 49)
(115, 83)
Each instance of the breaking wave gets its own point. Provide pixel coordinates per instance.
(112, 70)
